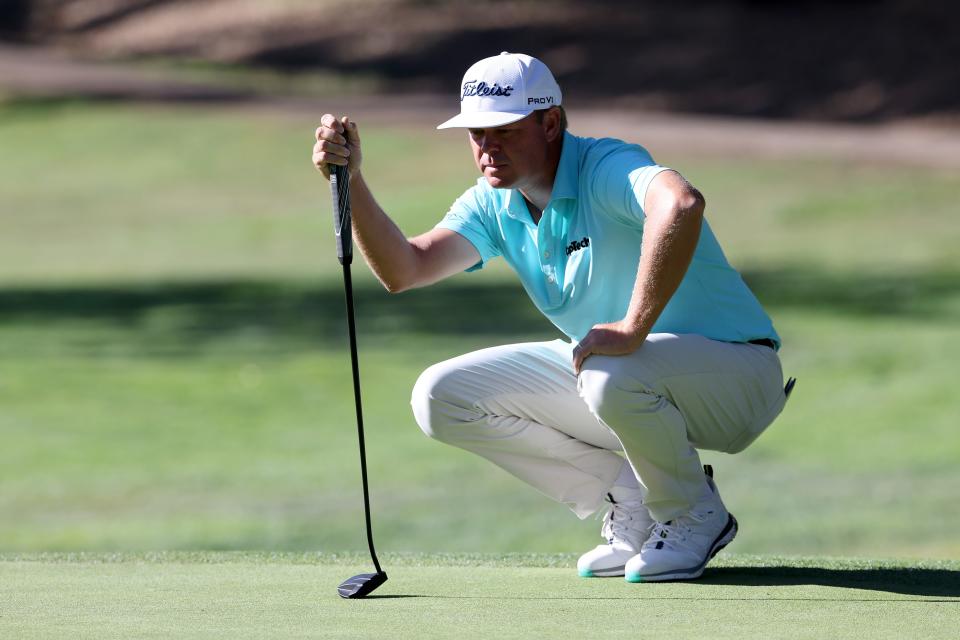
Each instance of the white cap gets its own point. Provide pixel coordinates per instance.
(503, 89)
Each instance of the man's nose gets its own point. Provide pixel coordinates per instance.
(489, 143)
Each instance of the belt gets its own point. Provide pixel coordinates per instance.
(765, 342)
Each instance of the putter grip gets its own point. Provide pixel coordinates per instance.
(342, 224)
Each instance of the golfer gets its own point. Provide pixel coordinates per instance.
(669, 351)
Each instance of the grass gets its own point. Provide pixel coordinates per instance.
(100, 193)
(173, 373)
(257, 595)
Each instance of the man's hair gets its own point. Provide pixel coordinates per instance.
(563, 116)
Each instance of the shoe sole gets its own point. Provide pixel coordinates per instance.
(612, 572)
(723, 539)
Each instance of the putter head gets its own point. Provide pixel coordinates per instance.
(361, 585)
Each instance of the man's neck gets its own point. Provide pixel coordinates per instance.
(537, 194)
(535, 211)
(537, 199)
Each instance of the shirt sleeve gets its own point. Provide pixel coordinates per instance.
(621, 180)
(467, 216)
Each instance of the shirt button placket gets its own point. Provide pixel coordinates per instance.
(545, 237)
(547, 267)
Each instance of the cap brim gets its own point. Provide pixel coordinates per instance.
(484, 119)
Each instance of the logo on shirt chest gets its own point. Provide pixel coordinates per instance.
(577, 245)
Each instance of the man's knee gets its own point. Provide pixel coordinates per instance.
(612, 394)
(438, 404)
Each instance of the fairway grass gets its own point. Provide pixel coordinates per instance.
(220, 417)
(263, 596)
(174, 371)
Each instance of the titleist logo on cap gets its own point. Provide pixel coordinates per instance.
(473, 88)
(502, 89)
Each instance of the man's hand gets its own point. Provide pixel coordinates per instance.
(338, 142)
(674, 215)
(611, 339)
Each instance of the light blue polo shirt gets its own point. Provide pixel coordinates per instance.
(579, 264)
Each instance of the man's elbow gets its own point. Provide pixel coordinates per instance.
(399, 275)
(394, 285)
(400, 282)
(691, 203)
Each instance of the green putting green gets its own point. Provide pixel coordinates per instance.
(259, 595)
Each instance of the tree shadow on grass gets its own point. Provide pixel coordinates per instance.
(919, 294)
(182, 318)
(922, 582)
(903, 580)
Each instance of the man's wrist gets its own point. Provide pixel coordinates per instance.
(635, 328)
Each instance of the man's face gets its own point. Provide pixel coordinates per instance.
(513, 155)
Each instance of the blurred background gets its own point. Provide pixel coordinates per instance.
(174, 370)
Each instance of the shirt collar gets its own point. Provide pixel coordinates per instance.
(566, 185)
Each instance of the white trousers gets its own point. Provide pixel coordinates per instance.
(522, 407)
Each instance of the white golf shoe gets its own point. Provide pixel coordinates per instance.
(625, 527)
(679, 549)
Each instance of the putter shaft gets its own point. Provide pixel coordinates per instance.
(360, 585)
(348, 291)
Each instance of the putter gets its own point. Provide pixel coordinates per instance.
(360, 585)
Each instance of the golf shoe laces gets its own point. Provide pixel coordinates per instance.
(672, 533)
(625, 521)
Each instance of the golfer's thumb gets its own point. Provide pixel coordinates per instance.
(351, 131)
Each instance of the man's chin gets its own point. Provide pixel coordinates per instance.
(499, 182)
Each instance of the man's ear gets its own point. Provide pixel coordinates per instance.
(551, 124)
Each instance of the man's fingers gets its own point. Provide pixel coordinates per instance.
(330, 121)
(352, 132)
(324, 157)
(322, 161)
(330, 147)
(337, 141)
(578, 359)
(326, 152)
(580, 353)
(326, 133)
(320, 165)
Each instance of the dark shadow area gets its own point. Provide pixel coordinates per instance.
(926, 294)
(172, 318)
(854, 60)
(924, 583)
(113, 13)
(845, 61)
(907, 581)
(14, 18)
(642, 594)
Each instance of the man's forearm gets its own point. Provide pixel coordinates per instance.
(669, 242)
(383, 245)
